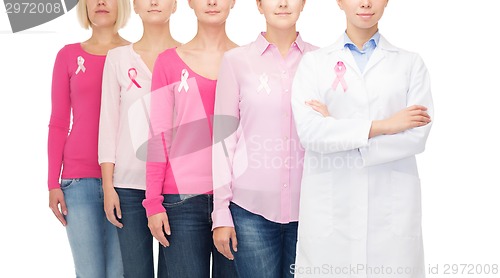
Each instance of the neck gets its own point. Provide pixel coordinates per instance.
(157, 37)
(211, 37)
(104, 36)
(283, 39)
(360, 36)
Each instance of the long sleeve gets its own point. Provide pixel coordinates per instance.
(226, 118)
(110, 112)
(317, 133)
(387, 148)
(161, 117)
(59, 118)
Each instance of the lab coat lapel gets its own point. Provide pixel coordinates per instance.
(345, 55)
(379, 53)
(377, 56)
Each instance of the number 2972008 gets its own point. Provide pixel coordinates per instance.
(470, 269)
(34, 8)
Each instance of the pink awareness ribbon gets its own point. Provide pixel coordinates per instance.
(184, 84)
(340, 70)
(81, 67)
(132, 74)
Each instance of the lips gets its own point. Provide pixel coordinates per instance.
(283, 14)
(154, 11)
(212, 12)
(365, 14)
(102, 12)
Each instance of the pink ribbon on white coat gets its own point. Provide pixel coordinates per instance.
(340, 70)
(132, 74)
(80, 62)
(184, 78)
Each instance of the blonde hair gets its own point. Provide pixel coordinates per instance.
(121, 20)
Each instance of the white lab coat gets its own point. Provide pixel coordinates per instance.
(360, 209)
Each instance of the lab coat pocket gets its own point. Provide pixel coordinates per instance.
(316, 206)
(406, 205)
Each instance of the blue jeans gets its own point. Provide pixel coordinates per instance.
(93, 240)
(136, 241)
(191, 242)
(265, 249)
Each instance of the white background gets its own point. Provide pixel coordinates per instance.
(459, 170)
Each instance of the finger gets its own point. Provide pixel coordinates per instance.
(110, 215)
(160, 236)
(317, 109)
(219, 246)
(234, 242)
(119, 215)
(61, 211)
(166, 226)
(58, 215)
(422, 124)
(417, 107)
(322, 111)
(315, 103)
(421, 118)
(118, 211)
(227, 250)
(64, 209)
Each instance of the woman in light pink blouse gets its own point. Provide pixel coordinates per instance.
(257, 157)
(179, 170)
(77, 200)
(123, 127)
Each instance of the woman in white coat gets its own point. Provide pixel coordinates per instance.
(360, 211)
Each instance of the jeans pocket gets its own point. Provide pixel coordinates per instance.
(174, 200)
(66, 183)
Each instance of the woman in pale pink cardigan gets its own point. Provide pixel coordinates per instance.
(126, 83)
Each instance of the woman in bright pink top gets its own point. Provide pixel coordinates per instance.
(77, 200)
(257, 166)
(178, 171)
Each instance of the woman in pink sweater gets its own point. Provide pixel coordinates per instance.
(77, 200)
(179, 170)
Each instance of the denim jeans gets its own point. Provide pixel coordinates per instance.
(265, 249)
(93, 240)
(136, 241)
(191, 242)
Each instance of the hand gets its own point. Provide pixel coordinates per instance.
(318, 107)
(112, 203)
(56, 197)
(159, 226)
(408, 118)
(222, 235)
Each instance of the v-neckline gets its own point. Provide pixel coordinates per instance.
(141, 61)
(189, 68)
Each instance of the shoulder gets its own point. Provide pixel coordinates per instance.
(70, 50)
(167, 54)
(120, 54)
(401, 53)
(238, 52)
(123, 51)
(308, 47)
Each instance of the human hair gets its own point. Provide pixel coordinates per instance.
(121, 20)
